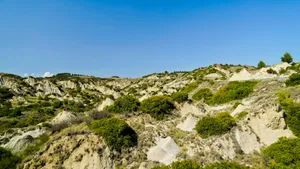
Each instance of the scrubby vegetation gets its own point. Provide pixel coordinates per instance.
(232, 91)
(271, 71)
(293, 80)
(36, 146)
(205, 94)
(226, 165)
(187, 164)
(190, 87)
(241, 115)
(261, 64)
(180, 97)
(157, 106)
(123, 104)
(8, 160)
(292, 111)
(287, 58)
(117, 133)
(218, 125)
(284, 153)
(236, 104)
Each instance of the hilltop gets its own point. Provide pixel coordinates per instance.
(212, 114)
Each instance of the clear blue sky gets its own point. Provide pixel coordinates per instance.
(132, 38)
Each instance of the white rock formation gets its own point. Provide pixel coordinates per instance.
(106, 102)
(19, 142)
(239, 109)
(64, 117)
(189, 123)
(164, 152)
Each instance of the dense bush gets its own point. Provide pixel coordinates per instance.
(125, 103)
(35, 146)
(226, 165)
(287, 58)
(180, 97)
(293, 80)
(292, 111)
(241, 115)
(190, 87)
(271, 71)
(5, 94)
(236, 104)
(261, 64)
(186, 164)
(205, 94)
(117, 133)
(157, 106)
(232, 91)
(285, 152)
(218, 125)
(8, 160)
(96, 115)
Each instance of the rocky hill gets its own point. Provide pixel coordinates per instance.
(212, 114)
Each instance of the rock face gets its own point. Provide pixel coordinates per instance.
(189, 123)
(64, 117)
(18, 140)
(75, 151)
(106, 102)
(165, 151)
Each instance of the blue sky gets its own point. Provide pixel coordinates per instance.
(132, 38)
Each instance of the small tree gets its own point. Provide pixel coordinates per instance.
(261, 64)
(287, 58)
(117, 133)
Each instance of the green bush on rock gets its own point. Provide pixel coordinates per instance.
(117, 133)
(293, 80)
(232, 91)
(157, 106)
(187, 164)
(205, 94)
(125, 103)
(180, 97)
(226, 165)
(284, 153)
(8, 160)
(218, 125)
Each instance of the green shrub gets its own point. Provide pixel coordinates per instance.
(282, 71)
(236, 104)
(271, 71)
(117, 133)
(238, 70)
(125, 103)
(190, 87)
(8, 160)
(292, 111)
(35, 146)
(226, 165)
(261, 64)
(287, 58)
(157, 106)
(241, 115)
(232, 91)
(5, 94)
(205, 94)
(293, 80)
(284, 152)
(185, 164)
(180, 97)
(218, 125)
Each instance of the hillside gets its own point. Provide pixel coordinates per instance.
(233, 114)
